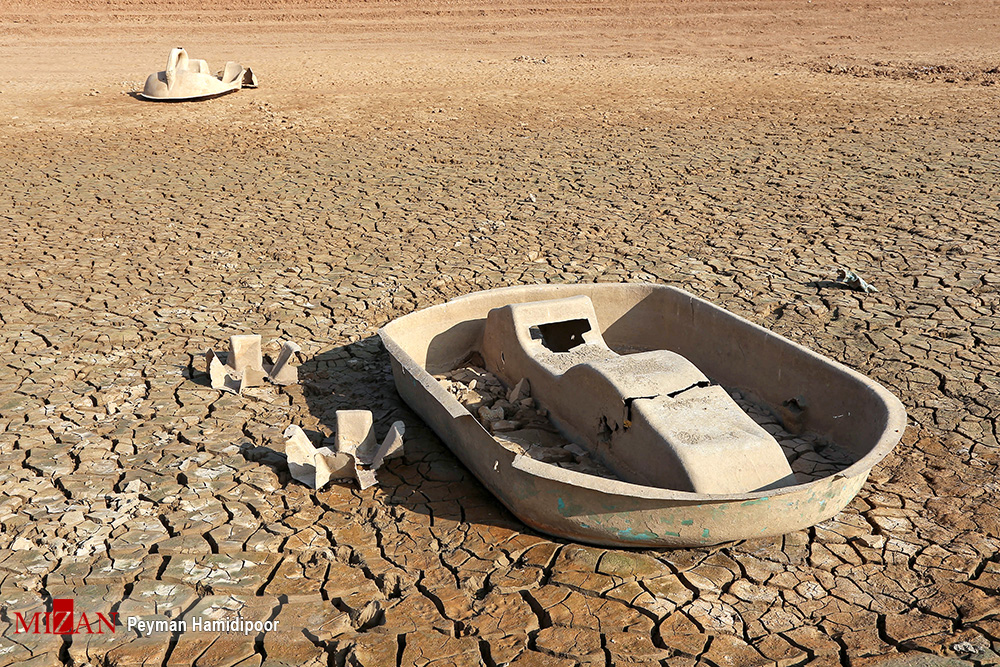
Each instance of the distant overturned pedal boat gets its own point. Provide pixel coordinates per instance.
(642, 378)
(186, 79)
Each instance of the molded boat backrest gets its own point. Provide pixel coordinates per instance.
(521, 331)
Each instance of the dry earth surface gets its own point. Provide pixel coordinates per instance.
(400, 154)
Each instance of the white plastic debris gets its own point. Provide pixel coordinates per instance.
(245, 358)
(301, 455)
(854, 281)
(312, 466)
(245, 365)
(187, 78)
(354, 454)
(391, 447)
(283, 373)
(222, 376)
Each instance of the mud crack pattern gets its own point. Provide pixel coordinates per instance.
(134, 245)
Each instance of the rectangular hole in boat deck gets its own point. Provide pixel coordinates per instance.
(561, 336)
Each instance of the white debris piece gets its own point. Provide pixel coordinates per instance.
(354, 453)
(245, 365)
(187, 78)
(222, 377)
(283, 373)
(245, 358)
(312, 466)
(391, 447)
(490, 415)
(301, 455)
(355, 434)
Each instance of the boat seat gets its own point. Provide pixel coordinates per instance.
(650, 416)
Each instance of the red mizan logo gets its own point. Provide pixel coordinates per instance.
(60, 621)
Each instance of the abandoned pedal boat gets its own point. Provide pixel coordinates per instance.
(188, 79)
(674, 500)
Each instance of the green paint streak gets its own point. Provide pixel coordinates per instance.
(627, 533)
(687, 522)
(754, 501)
(704, 533)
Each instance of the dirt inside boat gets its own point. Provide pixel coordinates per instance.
(526, 428)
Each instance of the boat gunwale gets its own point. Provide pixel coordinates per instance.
(895, 417)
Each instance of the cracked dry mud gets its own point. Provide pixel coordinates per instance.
(394, 159)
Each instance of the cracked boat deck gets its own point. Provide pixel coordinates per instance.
(397, 156)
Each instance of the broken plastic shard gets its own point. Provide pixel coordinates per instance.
(354, 454)
(301, 456)
(366, 478)
(246, 359)
(391, 447)
(221, 376)
(355, 434)
(249, 78)
(216, 369)
(283, 373)
(245, 365)
(854, 281)
(231, 72)
(312, 466)
(332, 465)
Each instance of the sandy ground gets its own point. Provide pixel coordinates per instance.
(400, 154)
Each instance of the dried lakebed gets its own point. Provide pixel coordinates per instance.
(129, 485)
